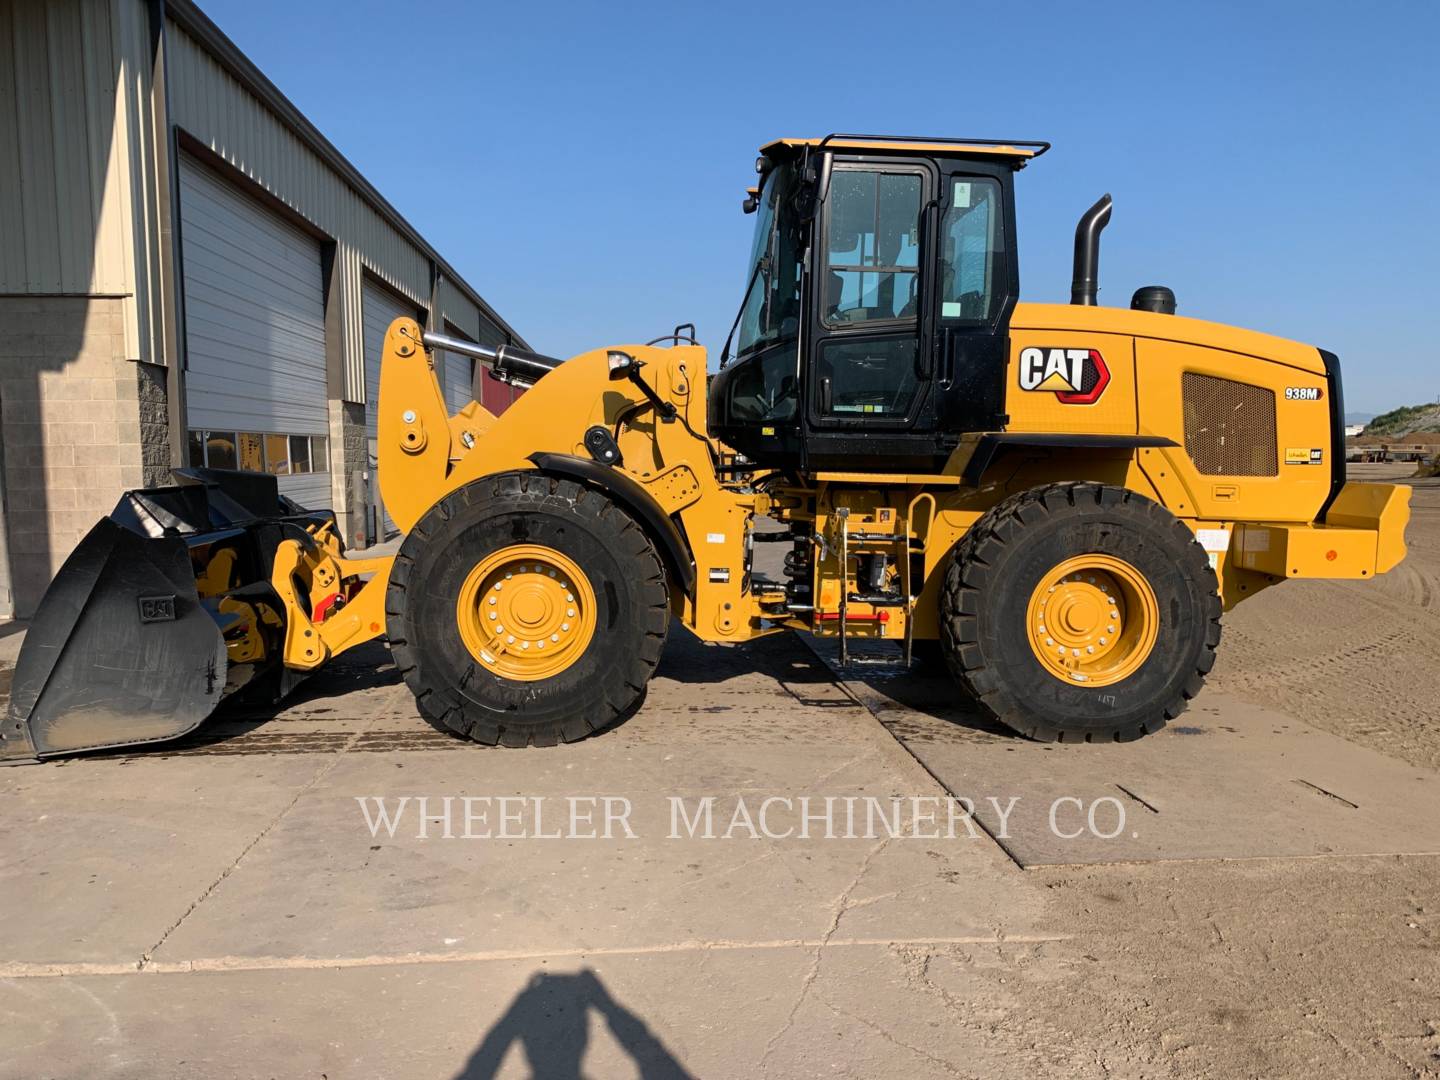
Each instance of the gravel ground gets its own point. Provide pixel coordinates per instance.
(1281, 967)
(1360, 659)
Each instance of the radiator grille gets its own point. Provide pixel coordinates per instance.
(1229, 426)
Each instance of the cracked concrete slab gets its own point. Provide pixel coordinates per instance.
(102, 856)
(1228, 780)
(943, 1011)
(407, 894)
(694, 1013)
(254, 884)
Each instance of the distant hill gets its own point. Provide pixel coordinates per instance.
(1359, 417)
(1405, 420)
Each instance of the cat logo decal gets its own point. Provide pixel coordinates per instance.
(1074, 376)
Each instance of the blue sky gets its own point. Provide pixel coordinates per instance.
(583, 164)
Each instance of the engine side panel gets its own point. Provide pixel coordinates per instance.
(1249, 413)
(1254, 435)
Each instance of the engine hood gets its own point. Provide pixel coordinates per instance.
(1147, 324)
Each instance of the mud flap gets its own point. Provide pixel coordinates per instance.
(121, 651)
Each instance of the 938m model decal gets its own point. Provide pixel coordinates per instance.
(1074, 376)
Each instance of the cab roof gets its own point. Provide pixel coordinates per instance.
(1017, 150)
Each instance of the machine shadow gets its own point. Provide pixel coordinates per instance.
(782, 656)
(366, 667)
(550, 1020)
(898, 697)
(917, 703)
(895, 695)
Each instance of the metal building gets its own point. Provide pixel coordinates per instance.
(189, 273)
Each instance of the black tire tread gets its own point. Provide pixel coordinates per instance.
(979, 550)
(443, 706)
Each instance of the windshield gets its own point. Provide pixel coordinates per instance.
(770, 311)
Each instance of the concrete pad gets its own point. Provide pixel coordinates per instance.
(421, 892)
(408, 895)
(317, 949)
(1227, 780)
(802, 1010)
(357, 702)
(99, 858)
(251, 924)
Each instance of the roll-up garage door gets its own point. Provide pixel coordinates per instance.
(459, 381)
(457, 373)
(381, 308)
(255, 388)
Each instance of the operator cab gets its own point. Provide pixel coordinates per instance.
(873, 328)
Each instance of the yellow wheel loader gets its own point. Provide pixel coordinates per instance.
(1059, 500)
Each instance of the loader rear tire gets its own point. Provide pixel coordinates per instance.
(1131, 601)
(572, 550)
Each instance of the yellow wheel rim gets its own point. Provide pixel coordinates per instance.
(526, 612)
(1093, 620)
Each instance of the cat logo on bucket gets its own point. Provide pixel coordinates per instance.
(1074, 376)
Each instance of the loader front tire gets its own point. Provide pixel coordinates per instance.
(1080, 612)
(525, 609)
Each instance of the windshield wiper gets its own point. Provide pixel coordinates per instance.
(763, 263)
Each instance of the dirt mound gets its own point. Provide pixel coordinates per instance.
(1405, 420)
(1355, 658)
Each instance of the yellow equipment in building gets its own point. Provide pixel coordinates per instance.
(1059, 500)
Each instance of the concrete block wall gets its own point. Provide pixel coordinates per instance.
(153, 401)
(348, 457)
(79, 423)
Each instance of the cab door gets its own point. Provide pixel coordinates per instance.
(868, 351)
(975, 293)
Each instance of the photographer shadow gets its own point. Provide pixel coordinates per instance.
(550, 1019)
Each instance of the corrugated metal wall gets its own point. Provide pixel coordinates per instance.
(80, 209)
(472, 323)
(79, 175)
(459, 381)
(458, 309)
(141, 146)
(212, 106)
(62, 220)
(381, 309)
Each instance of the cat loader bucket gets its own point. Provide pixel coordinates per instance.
(164, 609)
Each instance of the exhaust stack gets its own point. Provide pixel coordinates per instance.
(1086, 281)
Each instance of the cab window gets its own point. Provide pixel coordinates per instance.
(872, 247)
(971, 238)
(873, 378)
(770, 311)
(765, 389)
